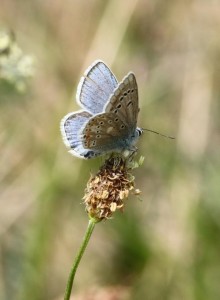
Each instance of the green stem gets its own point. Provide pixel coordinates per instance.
(76, 262)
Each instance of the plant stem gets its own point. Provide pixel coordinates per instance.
(76, 262)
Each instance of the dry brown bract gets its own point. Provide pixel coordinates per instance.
(106, 191)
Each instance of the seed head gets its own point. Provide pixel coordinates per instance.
(107, 190)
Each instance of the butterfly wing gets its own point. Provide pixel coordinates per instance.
(105, 132)
(124, 101)
(95, 87)
(70, 127)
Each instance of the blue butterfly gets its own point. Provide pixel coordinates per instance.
(108, 120)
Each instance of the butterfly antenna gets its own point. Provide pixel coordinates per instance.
(167, 136)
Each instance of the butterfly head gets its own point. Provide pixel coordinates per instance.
(137, 134)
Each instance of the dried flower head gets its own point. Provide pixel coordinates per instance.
(107, 190)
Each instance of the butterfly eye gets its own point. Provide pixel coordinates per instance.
(119, 106)
(109, 121)
(116, 119)
(122, 126)
(115, 111)
(132, 91)
(98, 127)
(101, 123)
(98, 136)
(128, 91)
(98, 131)
(121, 98)
(140, 131)
(125, 94)
(93, 143)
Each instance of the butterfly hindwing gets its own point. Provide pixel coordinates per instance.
(104, 132)
(71, 125)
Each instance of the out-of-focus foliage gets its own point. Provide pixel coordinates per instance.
(15, 67)
(165, 246)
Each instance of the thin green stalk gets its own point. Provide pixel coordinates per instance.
(76, 262)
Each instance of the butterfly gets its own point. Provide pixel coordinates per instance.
(107, 122)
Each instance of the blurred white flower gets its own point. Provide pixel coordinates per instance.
(15, 66)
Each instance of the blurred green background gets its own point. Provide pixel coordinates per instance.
(166, 246)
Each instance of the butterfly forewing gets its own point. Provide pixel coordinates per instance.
(124, 101)
(95, 87)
